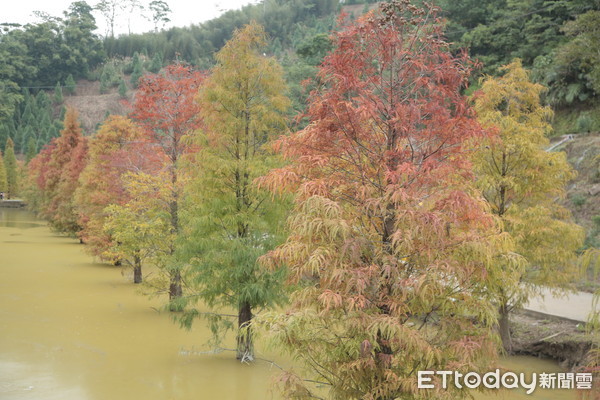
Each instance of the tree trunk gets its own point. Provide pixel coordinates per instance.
(175, 291)
(245, 346)
(504, 328)
(137, 270)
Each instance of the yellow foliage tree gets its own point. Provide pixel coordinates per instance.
(522, 183)
(230, 222)
(140, 228)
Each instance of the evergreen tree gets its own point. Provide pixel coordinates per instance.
(42, 101)
(31, 150)
(4, 135)
(156, 63)
(11, 131)
(3, 181)
(58, 95)
(10, 163)
(138, 70)
(104, 83)
(123, 89)
(70, 85)
(27, 134)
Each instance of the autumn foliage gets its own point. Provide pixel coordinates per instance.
(390, 244)
(165, 109)
(57, 178)
(116, 148)
(522, 182)
(229, 222)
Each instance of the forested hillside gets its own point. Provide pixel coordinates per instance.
(379, 186)
(553, 38)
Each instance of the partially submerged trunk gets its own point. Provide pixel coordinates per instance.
(137, 270)
(504, 328)
(245, 345)
(175, 291)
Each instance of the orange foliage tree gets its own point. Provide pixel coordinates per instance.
(164, 106)
(60, 178)
(35, 184)
(392, 250)
(116, 148)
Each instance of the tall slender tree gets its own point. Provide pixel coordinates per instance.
(36, 182)
(10, 164)
(30, 150)
(391, 248)
(231, 221)
(164, 107)
(65, 218)
(160, 13)
(3, 183)
(63, 152)
(522, 182)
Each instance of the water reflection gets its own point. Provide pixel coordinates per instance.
(11, 218)
(72, 329)
(79, 331)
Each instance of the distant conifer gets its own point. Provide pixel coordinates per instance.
(58, 94)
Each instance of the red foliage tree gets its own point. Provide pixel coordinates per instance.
(65, 219)
(67, 160)
(389, 241)
(165, 108)
(35, 189)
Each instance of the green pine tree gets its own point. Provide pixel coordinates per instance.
(138, 71)
(42, 101)
(123, 89)
(28, 133)
(156, 63)
(70, 84)
(104, 82)
(3, 182)
(58, 94)
(31, 150)
(4, 135)
(10, 163)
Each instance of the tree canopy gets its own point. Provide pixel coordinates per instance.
(391, 249)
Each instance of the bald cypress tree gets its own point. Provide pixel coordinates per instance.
(231, 222)
(522, 182)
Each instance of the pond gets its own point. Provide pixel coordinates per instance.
(73, 329)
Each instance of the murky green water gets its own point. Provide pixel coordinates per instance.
(72, 329)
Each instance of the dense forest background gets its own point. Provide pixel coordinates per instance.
(162, 158)
(40, 63)
(64, 61)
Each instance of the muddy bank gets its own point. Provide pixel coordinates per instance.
(563, 341)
